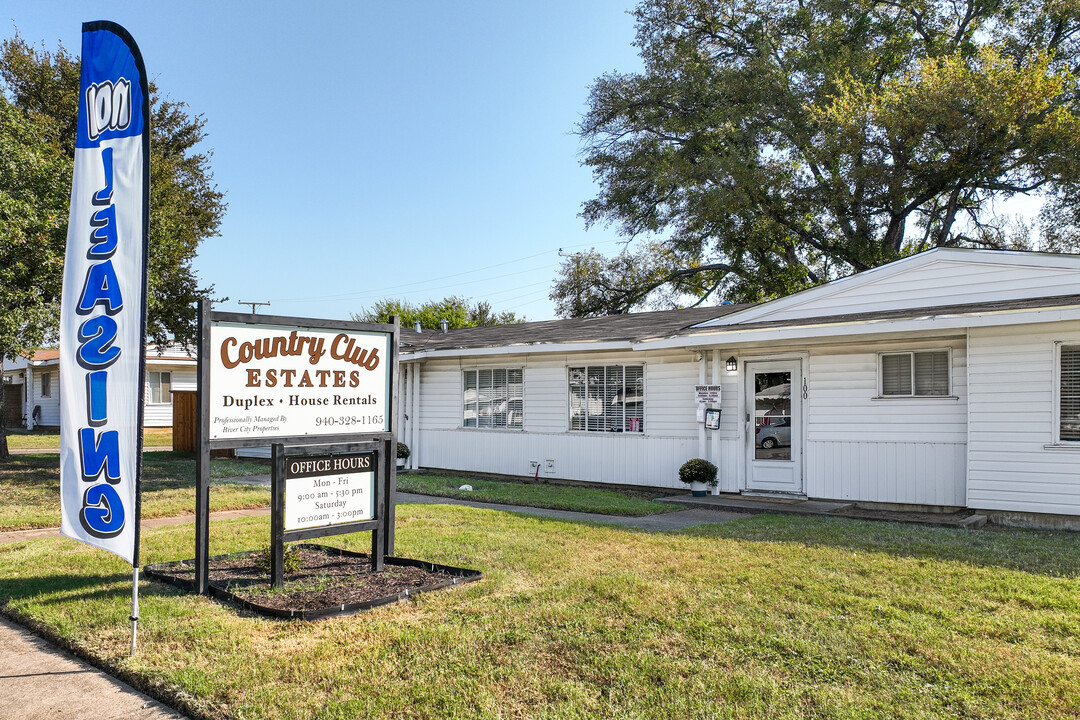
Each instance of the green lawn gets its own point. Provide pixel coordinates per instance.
(49, 438)
(30, 487)
(559, 497)
(766, 617)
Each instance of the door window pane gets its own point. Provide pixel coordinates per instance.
(772, 416)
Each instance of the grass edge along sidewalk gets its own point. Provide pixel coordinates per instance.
(575, 498)
(763, 617)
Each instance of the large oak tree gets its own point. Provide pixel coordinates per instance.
(770, 145)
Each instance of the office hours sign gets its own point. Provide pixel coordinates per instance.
(321, 491)
(269, 381)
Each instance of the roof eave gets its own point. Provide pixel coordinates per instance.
(732, 336)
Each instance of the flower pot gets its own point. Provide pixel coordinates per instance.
(699, 489)
(401, 463)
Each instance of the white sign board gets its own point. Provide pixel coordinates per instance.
(269, 381)
(709, 394)
(329, 490)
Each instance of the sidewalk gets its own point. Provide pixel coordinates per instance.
(664, 522)
(39, 682)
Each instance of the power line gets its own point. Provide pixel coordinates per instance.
(383, 291)
(368, 294)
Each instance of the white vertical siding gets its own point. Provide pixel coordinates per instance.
(1013, 464)
(182, 378)
(50, 406)
(858, 446)
(621, 458)
(897, 450)
(650, 458)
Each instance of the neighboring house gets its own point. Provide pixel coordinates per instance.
(947, 379)
(32, 386)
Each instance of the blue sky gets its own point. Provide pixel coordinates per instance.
(379, 149)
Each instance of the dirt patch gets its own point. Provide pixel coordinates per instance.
(327, 581)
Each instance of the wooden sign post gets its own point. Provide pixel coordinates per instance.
(322, 395)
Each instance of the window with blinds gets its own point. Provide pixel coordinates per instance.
(1069, 403)
(607, 398)
(923, 373)
(493, 399)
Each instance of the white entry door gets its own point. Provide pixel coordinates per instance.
(774, 426)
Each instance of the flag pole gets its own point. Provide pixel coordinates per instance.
(134, 608)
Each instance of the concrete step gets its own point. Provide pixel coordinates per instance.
(740, 503)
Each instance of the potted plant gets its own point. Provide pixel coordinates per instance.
(403, 454)
(699, 474)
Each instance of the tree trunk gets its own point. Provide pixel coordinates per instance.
(3, 430)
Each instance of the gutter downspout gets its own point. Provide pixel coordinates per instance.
(414, 416)
(703, 363)
(714, 436)
(28, 397)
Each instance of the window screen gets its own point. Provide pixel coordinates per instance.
(492, 398)
(915, 374)
(607, 398)
(46, 385)
(1069, 415)
(160, 387)
(896, 374)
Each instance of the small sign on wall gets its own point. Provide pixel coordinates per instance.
(712, 419)
(707, 394)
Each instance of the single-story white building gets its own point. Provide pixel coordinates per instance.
(32, 386)
(948, 379)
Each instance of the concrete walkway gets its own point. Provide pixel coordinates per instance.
(664, 522)
(39, 682)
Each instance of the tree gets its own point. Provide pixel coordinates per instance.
(459, 312)
(777, 144)
(34, 185)
(38, 116)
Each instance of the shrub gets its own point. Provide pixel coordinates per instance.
(403, 451)
(698, 470)
(292, 560)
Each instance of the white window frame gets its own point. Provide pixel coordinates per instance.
(150, 387)
(623, 365)
(1056, 410)
(46, 384)
(912, 353)
(508, 426)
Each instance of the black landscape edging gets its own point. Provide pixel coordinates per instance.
(460, 577)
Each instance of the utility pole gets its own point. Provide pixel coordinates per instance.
(252, 304)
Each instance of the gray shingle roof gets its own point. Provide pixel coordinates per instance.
(606, 328)
(635, 327)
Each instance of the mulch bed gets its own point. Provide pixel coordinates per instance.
(327, 582)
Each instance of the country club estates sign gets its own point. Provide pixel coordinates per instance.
(273, 381)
